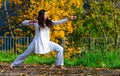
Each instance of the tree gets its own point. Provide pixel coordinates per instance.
(102, 20)
(0, 3)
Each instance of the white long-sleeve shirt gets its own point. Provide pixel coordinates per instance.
(41, 40)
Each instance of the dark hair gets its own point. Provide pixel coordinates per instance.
(42, 21)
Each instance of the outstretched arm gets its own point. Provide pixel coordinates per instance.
(60, 21)
(29, 22)
(64, 20)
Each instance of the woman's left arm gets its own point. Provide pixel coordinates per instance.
(60, 21)
(64, 20)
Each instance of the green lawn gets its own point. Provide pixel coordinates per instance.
(89, 59)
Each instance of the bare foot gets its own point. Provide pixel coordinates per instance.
(58, 67)
(11, 66)
(61, 67)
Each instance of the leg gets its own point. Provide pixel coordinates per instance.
(59, 50)
(24, 55)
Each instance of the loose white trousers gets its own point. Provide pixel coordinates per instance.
(31, 49)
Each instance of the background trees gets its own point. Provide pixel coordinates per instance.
(98, 19)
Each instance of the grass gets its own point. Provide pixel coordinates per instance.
(92, 58)
(108, 59)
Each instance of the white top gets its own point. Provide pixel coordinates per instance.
(42, 38)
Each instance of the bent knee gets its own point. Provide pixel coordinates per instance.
(61, 49)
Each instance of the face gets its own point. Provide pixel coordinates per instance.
(45, 15)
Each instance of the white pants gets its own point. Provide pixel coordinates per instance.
(30, 49)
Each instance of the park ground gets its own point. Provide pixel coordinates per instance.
(44, 70)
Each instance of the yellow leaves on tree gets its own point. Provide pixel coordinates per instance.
(17, 1)
(18, 31)
(7, 33)
(0, 3)
(70, 49)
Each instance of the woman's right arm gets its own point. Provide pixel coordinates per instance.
(28, 22)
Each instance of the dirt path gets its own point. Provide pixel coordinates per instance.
(43, 70)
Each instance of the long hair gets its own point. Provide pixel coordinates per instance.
(42, 21)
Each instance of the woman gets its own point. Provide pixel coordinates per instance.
(41, 43)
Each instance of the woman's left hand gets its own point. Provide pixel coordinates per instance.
(72, 17)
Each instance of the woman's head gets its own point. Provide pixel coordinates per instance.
(43, 19)
(42, 15)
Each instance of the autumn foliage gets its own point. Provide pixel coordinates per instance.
(101, 20)
(57, 10)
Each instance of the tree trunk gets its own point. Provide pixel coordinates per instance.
(7, 17)
(115, 24)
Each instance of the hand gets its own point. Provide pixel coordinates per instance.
(72, 18)
(33, 21)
